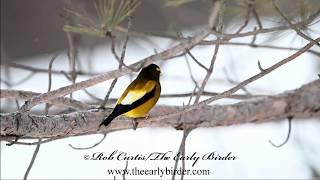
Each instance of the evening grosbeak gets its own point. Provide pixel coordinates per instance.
(139, 97)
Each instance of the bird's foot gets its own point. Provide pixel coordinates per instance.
(134, 124)
(147, 116)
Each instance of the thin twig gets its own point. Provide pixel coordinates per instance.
(10, 143)
(216, 13)
(186, 132)
(190, 72)
(254, 37)
(261, 74)
(304, 36)
(30, 143)
(40, 70)
(124, 171)
(246, 19)
(263, 30)
(92, 96)
(239, 86)
(32, 160)
(106, 98)
(113, 48)
(192, 56)
(213, 59)
(235, 35)
(288, 135)
(50, 80)
(90, 147)
(259, 66)
(207, 93)
(196, 61)
(120, 60)
(8, 75)
(209, 72)
(259, 46)
(255, 14)
(72, 58)
(23, 80)
(9, 138)
(227, 37)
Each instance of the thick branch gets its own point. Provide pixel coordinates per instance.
(300, 103)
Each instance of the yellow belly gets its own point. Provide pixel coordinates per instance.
(142, 110)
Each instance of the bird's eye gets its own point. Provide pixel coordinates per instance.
(158, 69)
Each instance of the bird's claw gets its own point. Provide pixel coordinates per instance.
(134, 124)
(147, 116)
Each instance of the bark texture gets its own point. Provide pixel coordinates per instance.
(300, 103)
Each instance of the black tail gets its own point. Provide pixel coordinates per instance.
(106, 121)
(117, 111)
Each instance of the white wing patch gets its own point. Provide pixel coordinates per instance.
(133, 96)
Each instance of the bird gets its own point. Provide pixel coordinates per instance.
(139, 97)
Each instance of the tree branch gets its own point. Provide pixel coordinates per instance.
(241, 84)
(300, 103)
(291, 25)
(302, 24)
(40, 70)
(60, 101)
(167, 54)
(259, 46)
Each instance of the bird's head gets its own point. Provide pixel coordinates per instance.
(151, 72)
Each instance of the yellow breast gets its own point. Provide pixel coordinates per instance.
(142, 110)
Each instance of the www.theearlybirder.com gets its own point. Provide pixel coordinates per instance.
(158, 171)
